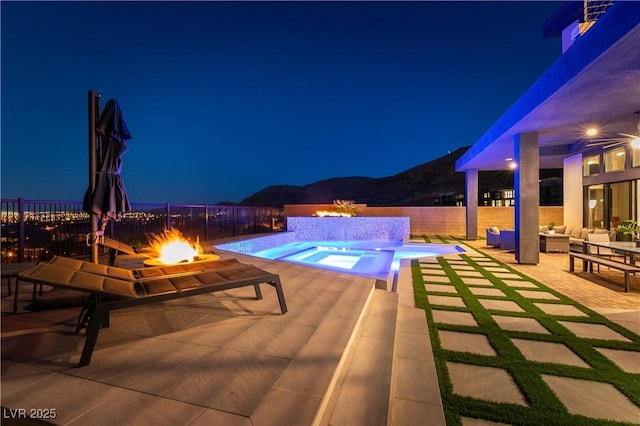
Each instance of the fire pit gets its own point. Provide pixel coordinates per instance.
(171, 248)
(154, 261)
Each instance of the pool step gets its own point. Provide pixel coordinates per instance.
(353, 400)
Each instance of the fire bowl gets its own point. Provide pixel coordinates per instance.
(154, 261)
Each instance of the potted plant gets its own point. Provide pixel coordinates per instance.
(631, 227)
(550, 230)
(345, 207)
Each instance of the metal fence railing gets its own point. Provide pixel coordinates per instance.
(33, 230)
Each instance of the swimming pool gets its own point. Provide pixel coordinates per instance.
(379, 259)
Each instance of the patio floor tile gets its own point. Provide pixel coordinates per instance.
(507, 275)
(560, 309)
(501, 305)
(520, 324)
(497, 269)
(484, 291)
(477, 281)
(593, 331)
(595, 399)
(147, 409)
(246, 377)
(466, 342)
(492, 384)
(446, 300)
(453, 317)
(464, 267)
(519, 283)
(433, 271)
(436, 278)
(629, 361)
(535, 294)
(469, 273)
(548, 352)
(441, 287)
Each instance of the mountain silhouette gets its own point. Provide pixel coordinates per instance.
(419, 186)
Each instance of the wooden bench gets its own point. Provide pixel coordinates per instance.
(591, 259)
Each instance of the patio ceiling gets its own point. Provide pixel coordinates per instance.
(596, 82)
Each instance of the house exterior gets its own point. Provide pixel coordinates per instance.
(595, 83)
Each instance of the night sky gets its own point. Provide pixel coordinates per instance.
(224, 99)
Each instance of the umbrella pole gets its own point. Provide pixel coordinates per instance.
(94, 111)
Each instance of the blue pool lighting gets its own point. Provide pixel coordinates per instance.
(371, 258)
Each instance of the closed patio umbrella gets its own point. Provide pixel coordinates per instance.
(109, 199)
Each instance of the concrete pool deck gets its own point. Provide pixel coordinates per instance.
(345, 353)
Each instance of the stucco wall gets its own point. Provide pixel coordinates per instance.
(439, 220)
(572, 191)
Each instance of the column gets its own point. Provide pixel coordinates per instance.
(471, 203)
(526, 155)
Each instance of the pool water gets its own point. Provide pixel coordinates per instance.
(373, 258)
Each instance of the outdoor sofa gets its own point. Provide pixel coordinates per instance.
(578, 235)
(112, 288)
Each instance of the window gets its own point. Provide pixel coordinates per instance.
(595, 197)
(591, 165)
(614, 160)
(620, 196)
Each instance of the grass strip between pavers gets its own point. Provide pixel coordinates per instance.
(544, 406)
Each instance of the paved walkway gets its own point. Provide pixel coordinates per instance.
(345, 353)
(508, 298)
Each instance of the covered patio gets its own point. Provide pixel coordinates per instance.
(595, 83)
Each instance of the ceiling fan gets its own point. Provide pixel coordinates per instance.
(621, 139)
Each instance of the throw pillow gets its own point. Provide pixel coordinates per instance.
(559, 229)
(576, 233)
(584, 233)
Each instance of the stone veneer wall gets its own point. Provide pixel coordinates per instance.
(255, 244)
(348, 228)
(440, 220)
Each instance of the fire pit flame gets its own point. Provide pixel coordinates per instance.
(171, 247)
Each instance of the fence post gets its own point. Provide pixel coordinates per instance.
(255, 219)
(234, 218)
(206, 222)
(168, 216)
(21, 238)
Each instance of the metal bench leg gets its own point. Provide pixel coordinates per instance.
(92, 335)
(283, 304)
(626, 281)
(258, 291)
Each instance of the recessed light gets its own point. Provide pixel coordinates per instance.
(592, 131)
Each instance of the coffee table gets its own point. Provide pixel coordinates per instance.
(554, 243)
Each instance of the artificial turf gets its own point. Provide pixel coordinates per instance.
(544, 407)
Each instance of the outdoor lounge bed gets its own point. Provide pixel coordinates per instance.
(114, 288)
